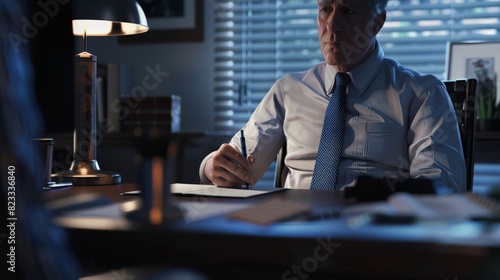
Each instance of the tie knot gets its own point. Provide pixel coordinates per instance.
(342, 79)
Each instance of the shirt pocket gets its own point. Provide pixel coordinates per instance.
(385, 144)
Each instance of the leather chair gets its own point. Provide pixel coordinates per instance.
(463, 96)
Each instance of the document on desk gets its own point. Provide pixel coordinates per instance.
(454, 206)
(214, 191)
(270, 211)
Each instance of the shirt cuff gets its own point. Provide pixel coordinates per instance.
(203, 176)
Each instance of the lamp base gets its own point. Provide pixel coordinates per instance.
(87, 174)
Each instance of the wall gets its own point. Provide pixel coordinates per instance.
(189, 67)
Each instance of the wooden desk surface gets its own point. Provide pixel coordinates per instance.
(110, 191)
(320, 249)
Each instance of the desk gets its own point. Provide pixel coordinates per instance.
(320, 249)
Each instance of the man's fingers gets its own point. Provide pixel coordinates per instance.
(234, 155)
(230, 168)
(223, 178)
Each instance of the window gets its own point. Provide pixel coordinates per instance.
(259, 41)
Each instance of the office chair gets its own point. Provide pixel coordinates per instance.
(463, 96)
(281, 170)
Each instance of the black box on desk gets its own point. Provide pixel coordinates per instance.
(159, 112)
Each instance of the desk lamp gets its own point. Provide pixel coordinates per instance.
(95, 18)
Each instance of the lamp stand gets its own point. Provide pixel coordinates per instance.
(84, 169)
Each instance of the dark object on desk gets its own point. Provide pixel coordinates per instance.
(43, 169)
(54, 185)
(387, 219)
(379, 189)
(158, 151)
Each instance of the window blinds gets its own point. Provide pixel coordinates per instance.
(259, 41)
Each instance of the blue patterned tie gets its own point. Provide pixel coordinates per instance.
(332, 137)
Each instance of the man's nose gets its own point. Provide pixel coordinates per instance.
(334, 23)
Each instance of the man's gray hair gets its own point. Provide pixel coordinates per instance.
(378, 5)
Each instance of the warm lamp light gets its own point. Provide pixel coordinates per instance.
(95, 18)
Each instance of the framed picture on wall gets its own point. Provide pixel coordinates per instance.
(474, 60)
(170, 21)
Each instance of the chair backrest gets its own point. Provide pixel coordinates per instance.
(463, 96)
(281, 168)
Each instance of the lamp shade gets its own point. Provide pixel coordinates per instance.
(108, 18)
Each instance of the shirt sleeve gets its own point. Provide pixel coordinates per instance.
(435, 147)
(263, 133)
(203, 176)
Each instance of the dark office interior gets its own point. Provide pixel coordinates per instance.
(180, 74)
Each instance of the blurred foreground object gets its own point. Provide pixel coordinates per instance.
(36, 248)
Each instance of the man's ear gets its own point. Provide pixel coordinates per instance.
(378, 22)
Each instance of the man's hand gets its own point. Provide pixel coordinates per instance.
(228, 168)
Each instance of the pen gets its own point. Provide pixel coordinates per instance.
(243, 147)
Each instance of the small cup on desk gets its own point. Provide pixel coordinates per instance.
(43, 165)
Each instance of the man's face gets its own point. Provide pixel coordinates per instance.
(347, 30)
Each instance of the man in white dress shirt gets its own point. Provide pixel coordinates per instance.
(400, 124)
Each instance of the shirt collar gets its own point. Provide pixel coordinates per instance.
(362, 75)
